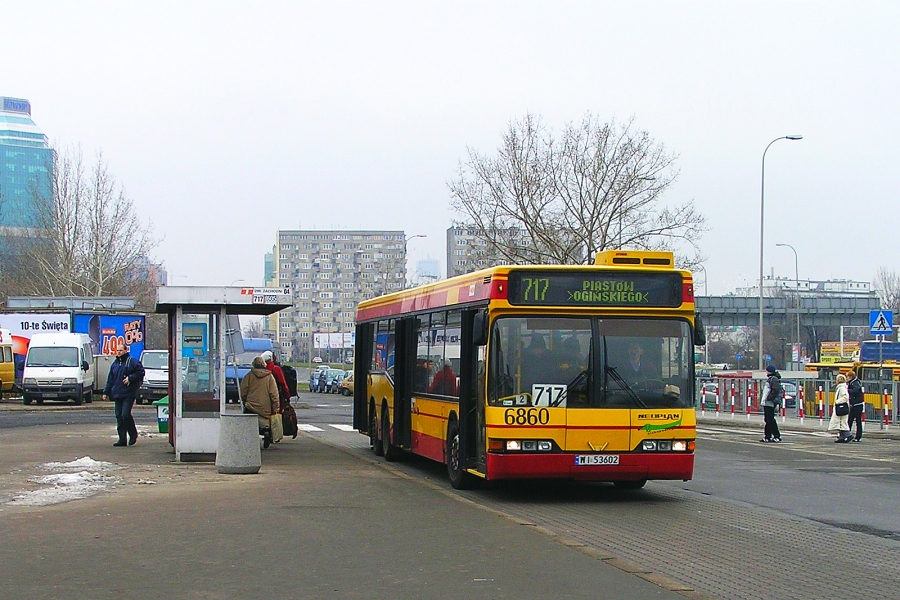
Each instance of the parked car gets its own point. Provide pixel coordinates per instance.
(790, 394)
(326, 381)
(314, 377)
(317, 359)
(708, 393)
(347, 384)
(156, 376)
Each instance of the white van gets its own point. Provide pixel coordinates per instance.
(58, 366)
(156, 376)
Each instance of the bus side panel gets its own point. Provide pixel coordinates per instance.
(429, 427)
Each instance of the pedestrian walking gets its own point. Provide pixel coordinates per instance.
(857, 404)
(125, 376)
(840, 411)
(771, 399)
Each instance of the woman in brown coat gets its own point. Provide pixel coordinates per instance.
(260, 393)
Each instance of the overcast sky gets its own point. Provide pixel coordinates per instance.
(227, 121)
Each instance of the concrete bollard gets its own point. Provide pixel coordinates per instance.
(238, 451)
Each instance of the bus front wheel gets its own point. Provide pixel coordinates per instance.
(630, 485)
(459, 478)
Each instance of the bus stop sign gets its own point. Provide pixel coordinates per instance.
(881, 322)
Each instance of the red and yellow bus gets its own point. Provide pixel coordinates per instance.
(539, 372)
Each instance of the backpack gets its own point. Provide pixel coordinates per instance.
(778, 400)
(290, 377)
(289, 421)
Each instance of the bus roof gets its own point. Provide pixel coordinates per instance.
(615, 286)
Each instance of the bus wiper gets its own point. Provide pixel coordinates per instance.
(624, 385)
(578, 379)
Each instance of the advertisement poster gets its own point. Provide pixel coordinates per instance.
(109, 332)
(22, 326)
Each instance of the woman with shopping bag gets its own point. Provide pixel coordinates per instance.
(260, 394)
(840, 410)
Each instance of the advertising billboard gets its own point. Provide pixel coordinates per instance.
(110, 332)
(22, 326)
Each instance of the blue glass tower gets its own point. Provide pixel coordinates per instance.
(25, 163)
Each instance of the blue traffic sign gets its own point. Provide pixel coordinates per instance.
(881, 322)
(739, 357)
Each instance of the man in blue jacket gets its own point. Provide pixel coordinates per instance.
(857, 404)
(125, 377)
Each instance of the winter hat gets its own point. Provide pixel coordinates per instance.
(267, 355)
(259, 363)
(770, 369)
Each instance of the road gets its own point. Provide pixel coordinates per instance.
(757, 520)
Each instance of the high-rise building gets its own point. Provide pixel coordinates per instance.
(25, 163)
(330, 272)
(468, 251)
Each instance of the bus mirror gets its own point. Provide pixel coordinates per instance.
(699, 331)
(479, 328)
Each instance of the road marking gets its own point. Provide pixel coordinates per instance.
(309, 428)
(342, 427)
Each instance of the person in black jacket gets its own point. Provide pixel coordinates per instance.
(122, 383)
(854, 388)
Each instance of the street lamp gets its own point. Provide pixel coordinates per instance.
(234, 282)
(405, 242)
(762, 224)
(797, 292)
(705, 293)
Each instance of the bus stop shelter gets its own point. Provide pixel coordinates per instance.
(198, 320)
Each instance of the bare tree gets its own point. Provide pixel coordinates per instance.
(559, 201)
(254, 328)
(89, 239)
(887, 285)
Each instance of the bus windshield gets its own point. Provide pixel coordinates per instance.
(590, 362)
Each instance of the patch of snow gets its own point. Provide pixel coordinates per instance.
(74, 480)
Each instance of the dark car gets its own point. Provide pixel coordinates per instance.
(326, 380)
(314, 377)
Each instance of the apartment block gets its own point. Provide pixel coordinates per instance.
(330, 272)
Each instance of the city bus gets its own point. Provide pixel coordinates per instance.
(536, 372)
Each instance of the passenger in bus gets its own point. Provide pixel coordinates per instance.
(534, 363)
(421, 375)
(444, 382)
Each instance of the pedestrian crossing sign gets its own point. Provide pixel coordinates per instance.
(881, 322)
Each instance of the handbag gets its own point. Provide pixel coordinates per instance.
(277, 427)
(842, 409)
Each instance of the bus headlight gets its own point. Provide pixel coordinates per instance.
(513, 445)
(679, 446)
(648, 445)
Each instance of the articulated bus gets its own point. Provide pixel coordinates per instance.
(536, 372)
(876, 378)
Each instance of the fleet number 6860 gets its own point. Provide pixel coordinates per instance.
(526, 416)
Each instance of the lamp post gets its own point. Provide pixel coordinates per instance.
(797, 292)
(705, 293)
(405, 242)
(234, 282)
(762, 224)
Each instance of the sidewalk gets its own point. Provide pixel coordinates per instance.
(874, 429)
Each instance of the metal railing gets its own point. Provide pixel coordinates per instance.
(813, 398)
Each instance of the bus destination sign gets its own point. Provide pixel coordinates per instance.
(595, 288)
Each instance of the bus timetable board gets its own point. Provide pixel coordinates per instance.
(595, 288)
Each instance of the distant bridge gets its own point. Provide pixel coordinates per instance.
(743, 311)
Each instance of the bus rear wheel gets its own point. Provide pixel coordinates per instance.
(374, 442)
(459, 478)
(390, 451)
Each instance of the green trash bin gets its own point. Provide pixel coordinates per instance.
(162, 414)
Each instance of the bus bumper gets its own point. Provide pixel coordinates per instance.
(631, 467)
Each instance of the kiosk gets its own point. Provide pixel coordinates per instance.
(197, 325)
